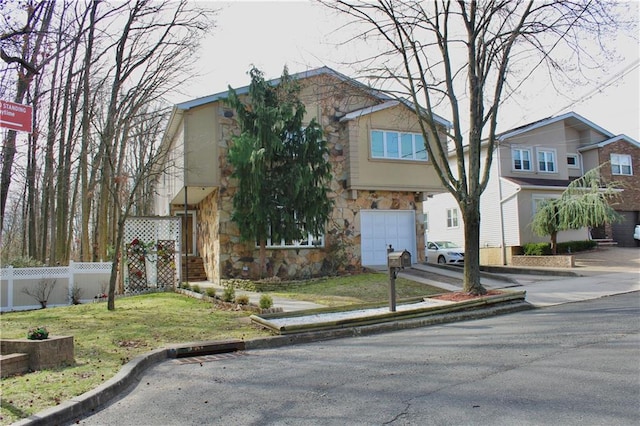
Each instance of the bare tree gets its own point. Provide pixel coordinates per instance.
(467, 57)
(100, 108)
(41, 292)
(152, 56)
(22, 47)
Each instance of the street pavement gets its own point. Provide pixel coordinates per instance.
(600, 273)
(572, 364)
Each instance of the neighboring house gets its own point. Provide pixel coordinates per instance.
(381, 174)
(535, 162)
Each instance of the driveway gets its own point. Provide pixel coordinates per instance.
(608, 259)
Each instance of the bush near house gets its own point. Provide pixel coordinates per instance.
(544, 249)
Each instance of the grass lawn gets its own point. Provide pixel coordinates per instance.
(105, 340)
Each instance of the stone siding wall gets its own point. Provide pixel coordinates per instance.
(238, 259)
(208, 233)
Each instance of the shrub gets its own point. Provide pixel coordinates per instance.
(544, 249)
(38, 333)
(211, 292)
(195, 288)
(229, 293)
(23, 262)
(266, 301)
(537, 249)
(242, 299)
(576, 246)
(185, 285)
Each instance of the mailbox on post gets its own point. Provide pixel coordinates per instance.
(399, 259)
(396, 260)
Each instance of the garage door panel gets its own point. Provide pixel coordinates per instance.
(381, 228)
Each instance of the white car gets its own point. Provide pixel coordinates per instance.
(445, 252)
(636, 234)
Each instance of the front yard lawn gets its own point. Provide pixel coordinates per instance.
(105, 340)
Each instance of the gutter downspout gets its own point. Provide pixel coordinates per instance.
(186, 237)
(503, 251)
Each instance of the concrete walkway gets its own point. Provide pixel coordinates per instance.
(286, 304)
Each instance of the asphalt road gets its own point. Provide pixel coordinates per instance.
(572, 364)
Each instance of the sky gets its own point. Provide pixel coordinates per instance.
(305, 35)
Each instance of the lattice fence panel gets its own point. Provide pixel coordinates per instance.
(151, 233)
(166, 262)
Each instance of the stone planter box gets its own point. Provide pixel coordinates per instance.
(557, 261)
(49, 353)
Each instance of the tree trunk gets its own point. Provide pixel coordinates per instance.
(554, 243)
(263, 258)
(471, 216)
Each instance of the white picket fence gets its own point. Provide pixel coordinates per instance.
(88, 279)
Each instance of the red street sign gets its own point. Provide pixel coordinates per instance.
(15, 116)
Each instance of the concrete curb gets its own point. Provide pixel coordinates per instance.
(82, 405)
(89, 401)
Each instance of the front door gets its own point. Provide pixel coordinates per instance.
(188, 234)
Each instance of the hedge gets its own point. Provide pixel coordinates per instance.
(544, 249)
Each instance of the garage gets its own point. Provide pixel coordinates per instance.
(379, 228)
(623, 231)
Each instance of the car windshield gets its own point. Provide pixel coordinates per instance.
(446, 244)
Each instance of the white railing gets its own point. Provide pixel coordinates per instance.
(84, 281)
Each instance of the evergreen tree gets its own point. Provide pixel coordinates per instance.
(281, 166)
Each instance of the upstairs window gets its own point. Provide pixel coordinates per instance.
(573, 161)
(397, 145)
(452, 218)
(521, 159)
(547, 161)
(621, 164)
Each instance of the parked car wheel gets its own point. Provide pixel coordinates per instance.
(442, 260)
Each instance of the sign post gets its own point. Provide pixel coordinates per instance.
(16, 116)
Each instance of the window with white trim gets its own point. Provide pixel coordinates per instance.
(521, 159)
(547, 161)
(397, 145)
(573, 161)
(452, 218)
(621, 164)
(310, 242)
(538, 200)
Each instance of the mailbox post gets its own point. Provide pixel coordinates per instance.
(395, 261)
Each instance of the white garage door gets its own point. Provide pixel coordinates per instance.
(379, 228)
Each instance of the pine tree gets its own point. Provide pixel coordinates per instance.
(281, 165)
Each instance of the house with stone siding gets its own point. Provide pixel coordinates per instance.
(381, 175)
(535, 162)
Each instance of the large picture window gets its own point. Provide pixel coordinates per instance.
(309, 242)
(521, 159)
(397, 145)
(621, 164)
